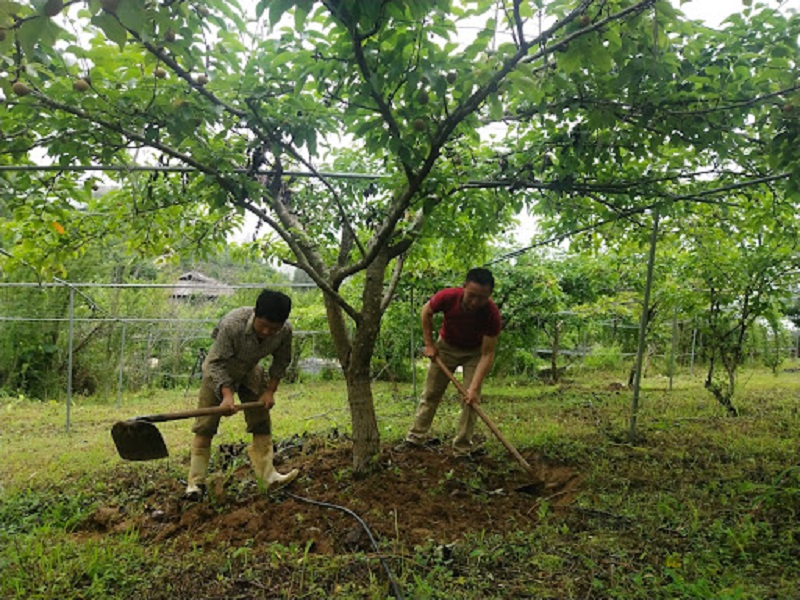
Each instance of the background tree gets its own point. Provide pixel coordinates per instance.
(555, 298)
(742, 268)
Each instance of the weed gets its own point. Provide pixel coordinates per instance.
(26, 510)
(49, 564)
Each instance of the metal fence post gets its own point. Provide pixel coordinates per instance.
(121, 363)
(637, 380)
(672, 348)
(69, 355)
(413, 350)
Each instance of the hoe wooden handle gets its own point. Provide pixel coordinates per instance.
(485, 418)
(198, 412)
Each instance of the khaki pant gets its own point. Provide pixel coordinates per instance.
(435, 386)
(250, 390)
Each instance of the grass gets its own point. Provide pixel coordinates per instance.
(701, 506)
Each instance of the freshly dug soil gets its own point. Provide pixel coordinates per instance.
(414, 496)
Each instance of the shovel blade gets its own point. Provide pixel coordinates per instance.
(138, 440)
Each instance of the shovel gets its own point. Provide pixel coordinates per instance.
(531, 488)
(139, 439)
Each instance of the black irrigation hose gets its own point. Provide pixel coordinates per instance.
(395, 588)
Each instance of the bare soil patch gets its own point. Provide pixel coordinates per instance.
(415, 496)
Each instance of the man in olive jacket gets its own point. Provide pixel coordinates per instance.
(241, 339)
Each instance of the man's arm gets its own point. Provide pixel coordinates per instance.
(427, 331)
(221, 351)
(281, 359)
(268, 397)
(227, 398)
(488, 347)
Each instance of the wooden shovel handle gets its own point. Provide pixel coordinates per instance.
(485, 418)
(198, 412)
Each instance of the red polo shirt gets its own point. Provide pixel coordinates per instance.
(460, 329)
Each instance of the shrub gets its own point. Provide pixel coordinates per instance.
(604, 358)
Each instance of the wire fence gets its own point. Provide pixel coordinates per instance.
(61, 339)
(67, 338)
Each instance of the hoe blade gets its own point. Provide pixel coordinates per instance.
(138, 440)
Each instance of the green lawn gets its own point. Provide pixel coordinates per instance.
(702, 506)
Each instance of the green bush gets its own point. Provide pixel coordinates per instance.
(604, 358)
(525, 362)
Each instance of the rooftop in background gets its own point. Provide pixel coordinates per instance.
(196, 286)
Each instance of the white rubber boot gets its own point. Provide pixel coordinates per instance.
(257, 452)
(201, 455)
(261, 457)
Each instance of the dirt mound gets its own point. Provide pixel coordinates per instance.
(414, 496)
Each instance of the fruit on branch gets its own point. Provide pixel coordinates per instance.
(53, 7)
(423, 97)
(80, 85)
(419, 124)
(201, 79)
(169, 36)
(585, 20)
(451, 77)
(20, 89)
(160, 73)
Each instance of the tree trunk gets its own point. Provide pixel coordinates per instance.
(648, 354)
(731, 371)
(710, 373)
(723, 395)
(355, 357)
(366, 438)
(293, 372)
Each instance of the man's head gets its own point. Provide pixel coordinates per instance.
(478, 288)
(481, 276)
(272, 310)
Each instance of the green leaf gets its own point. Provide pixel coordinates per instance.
(112, 28)
(132, 14)
(37, 30)
(277, 8)
(301, 14)
(496, 108)
(261, 7)
(570, 61)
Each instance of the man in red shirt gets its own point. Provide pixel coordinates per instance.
(468, 338)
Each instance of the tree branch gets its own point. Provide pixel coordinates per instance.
(698, 197)
(383, 107)
(596, 26)
(519, 23)
(307, 259)
(396, 273)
